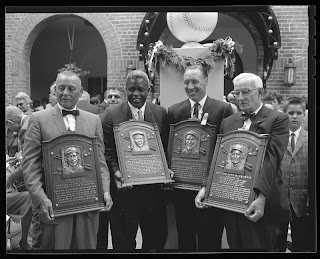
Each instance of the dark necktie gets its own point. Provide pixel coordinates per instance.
(246, 116)
(196, 110)
(293, 144)
(73, 112)
(140, 118)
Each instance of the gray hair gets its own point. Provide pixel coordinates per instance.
(23, 96)
(136, 74)
(69, 73)
(249, 78)
(13, 113)
(53, 88)
(85, 96)
(121, 89)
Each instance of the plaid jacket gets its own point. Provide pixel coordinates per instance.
(294, 168)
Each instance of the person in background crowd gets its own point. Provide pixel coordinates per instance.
(37, 106)
(76, 231)
(18, 201)
(305, 119)
(294, 168)
(257, 228)
(84, 103)
(116, 95)
(44, 102)
(275, 99)
(143, 205)
(193, 224)
(232, 100)
(24, 102)
(52, 96)
(268, 104)
(113, 95)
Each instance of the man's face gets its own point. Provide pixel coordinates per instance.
(139, 140)
(68, 91)
(194, 84)
(137, 91)
(52, 98)
(114, 97)
(72, 159)
(22, 105)
(247, 96)
(235, 156)
(275, 104)
(296, 116)
(191, 142)
(13, 125)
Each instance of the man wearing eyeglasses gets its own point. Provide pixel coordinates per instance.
(77, 231)
(258, 227)
(24, 103)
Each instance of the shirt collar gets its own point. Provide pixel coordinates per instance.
(296, 133)
(257, 110)
(134, 110)
(62, 108)
(203, 100)
(105, 100)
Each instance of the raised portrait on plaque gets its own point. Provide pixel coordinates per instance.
(72, 162)
(236, 162)
(190, 152)
(72, 174)
(140, 153)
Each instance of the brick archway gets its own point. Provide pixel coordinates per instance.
(18, 55)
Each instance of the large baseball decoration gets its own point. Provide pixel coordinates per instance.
(192, 27)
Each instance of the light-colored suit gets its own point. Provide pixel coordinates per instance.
(294, 168)
(46, 125)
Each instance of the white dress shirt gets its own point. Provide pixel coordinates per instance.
(296, 135)
(69, 119)
(200, 108)
(247, 122)
(134, 111)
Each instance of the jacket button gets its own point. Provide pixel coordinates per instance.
(291, 175)
(290, 189)
(292, 161)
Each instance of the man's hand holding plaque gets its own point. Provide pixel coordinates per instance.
(256, 208)
(120, 182)
(45, 211)
(108, 200)
(199, 198)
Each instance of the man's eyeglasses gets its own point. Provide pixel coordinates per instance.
(245, 92)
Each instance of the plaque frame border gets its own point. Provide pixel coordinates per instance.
(46, 146)
(263, 140)
(117, 128)
(197, 123)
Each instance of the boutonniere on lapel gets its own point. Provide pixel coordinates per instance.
(204, 119)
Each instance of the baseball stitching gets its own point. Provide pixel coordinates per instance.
(192, 25)
(171, 23)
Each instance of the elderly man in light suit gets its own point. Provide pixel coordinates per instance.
(78, 231)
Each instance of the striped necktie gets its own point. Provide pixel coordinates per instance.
(140, 118)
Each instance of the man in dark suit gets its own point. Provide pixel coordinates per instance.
(141, 205)
(84, 103)
(257, 229)
(295, 176)
(77, 231)
(207, 225)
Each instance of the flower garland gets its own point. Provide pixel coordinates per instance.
(220, 50)
(72, 67)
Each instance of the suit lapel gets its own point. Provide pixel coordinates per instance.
(260, 117)
(58, 119)
(207, 108)
(301, 139)
(185, 110)
(148, 116)
(126, 112)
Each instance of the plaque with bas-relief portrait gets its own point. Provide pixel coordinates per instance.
(190, 152)
(140, 153)
(237, 160)
(72, 174)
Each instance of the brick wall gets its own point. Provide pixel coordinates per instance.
(294, 28)
(119, 32)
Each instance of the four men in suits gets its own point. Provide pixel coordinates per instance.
(295, 174)
(143, 205)
(194, 224)
(78, 231)
(257, 229)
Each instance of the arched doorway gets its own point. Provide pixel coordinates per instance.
(68, 39)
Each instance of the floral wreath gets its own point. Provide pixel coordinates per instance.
(219, 50)
(72, 67)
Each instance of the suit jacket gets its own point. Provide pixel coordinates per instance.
(45, 125)
(294, 168)
(86, 106)
(120, 113)
(217, 111)
(22, 131)
(269, 181)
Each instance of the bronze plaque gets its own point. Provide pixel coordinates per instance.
(190, 152)
(72, 174)
(237, 161)
(140, 153)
